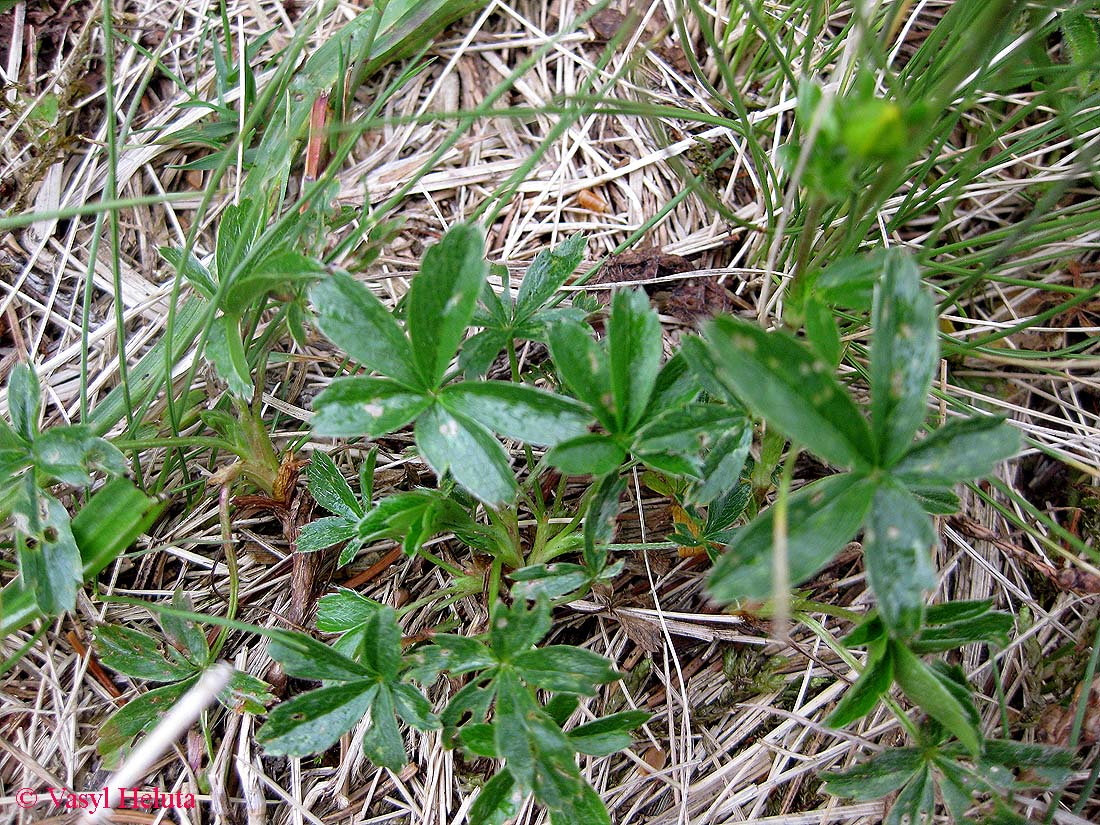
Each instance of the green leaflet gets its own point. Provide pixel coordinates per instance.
(362, 405)
(862, 696)
(904, 353)
(517, 411)
(314, 721)
(925, 689)
(307, 658)
(464, 447)
(330, 489)
(876, 777)
(550, 269)
(565, 668)
(897, 551)
(634, 355)
(360, 324)
(592, 454)
(442, 298)
(822, 518)
(583, 367)
(225, 349)
(792, 388)
(958, 451)
(139, 655)
(497, 800)
(136, 716)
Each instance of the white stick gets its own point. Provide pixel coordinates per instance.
(174, 724)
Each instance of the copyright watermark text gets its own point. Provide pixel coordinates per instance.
(135, 799)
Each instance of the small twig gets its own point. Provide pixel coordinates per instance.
(374, 570)
(94, 666)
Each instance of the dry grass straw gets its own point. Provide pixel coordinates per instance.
(712, 752)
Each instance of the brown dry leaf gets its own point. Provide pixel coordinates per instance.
(645, 635)
(586, 199)
(654, 757)
(606, 23)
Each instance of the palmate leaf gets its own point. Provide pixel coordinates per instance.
(676, 385)
(991, 628)
(442, 299)
(850, 282)
(363, 405)
(634, 355)
(550, 580)
(583, 807)
(355, 320)
(517, 411)
(480, 350)
(527, 317)
(192, 269)
(904, 352)
(791, 387)
(473, 456)
(958, 451)
(916, 803)
(455, 654)
(281, 269)
(380, 652)
(822, 332)
(246, 694)
(822, 518)
(683, 430)
(722, 466)
(535, 749)
(600, 517)
(897, 551)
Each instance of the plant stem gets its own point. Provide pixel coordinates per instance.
(231, 565)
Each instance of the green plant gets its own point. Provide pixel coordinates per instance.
(56, 554)
(454, 421)
(958, 769)
(646, 410)
(497, 713)
(892, 483)
(177, 665)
